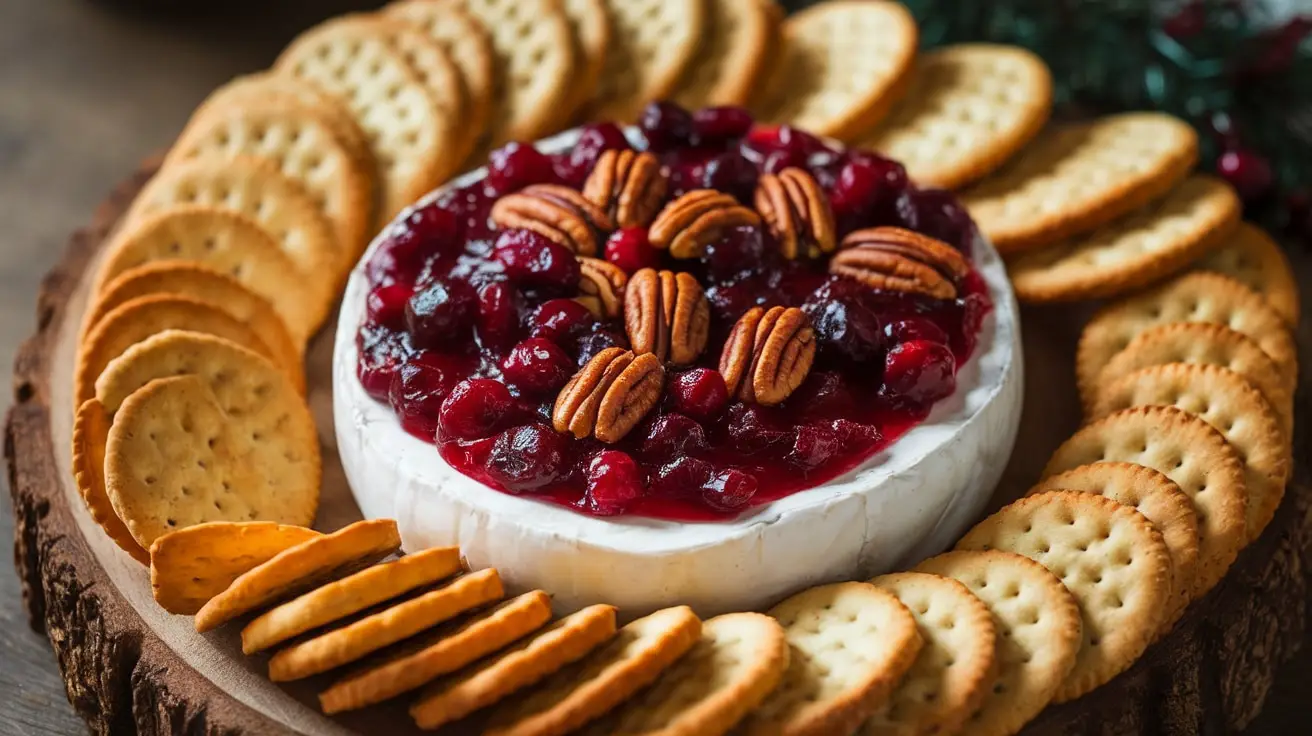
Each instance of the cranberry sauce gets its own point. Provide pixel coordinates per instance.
(470, 332)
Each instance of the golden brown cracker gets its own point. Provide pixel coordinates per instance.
(90, 433)
(442, 80)
(590, 27)
(1251, 257)
(731, 63)
(653, 43)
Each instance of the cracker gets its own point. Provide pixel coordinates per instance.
(390, 625)
(1252, 258)
(1203, 344)
(849, 646)
(443, 81)
(303, 567)
(176, 458)
(654, 42)
(529, 661)
(970, 107)
(1189, 451)
(1160, 501)
(949, 678)
(414, 146)
(731, 62)
(841, 67)
(229, 243)
(1230, 404)
(588, 688)
(739, 660)
(190, 566)
(90, 433)
(1038, 633)
(1146, 245)
(1193, 297)
(352, 594)
(1107, 555)
(439, 652)
(1073, 178)
(589, 24)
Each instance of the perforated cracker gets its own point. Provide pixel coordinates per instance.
(528, 661)
(583, 691)
(90, 433)
(1189, 451)
(1160, 501)
(303, 567)
(849, 646)
(653, 43)
(1107, 555)
(1139, 248)
(1250, 256)
(949, 678)
(731, 63)
(1073, 178)
(1039, 632)
(969, 108)
(1231, 405)
(442, 79)
(842, 66)
(589, 23)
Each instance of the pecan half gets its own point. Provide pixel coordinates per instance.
(666, 314)
(601, 287)
(690, 223)
(797, 212)
(901, 260)
(628, 186)
(555, 212)
(609, 396)
(768, 354)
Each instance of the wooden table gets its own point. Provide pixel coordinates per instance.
(85, 93)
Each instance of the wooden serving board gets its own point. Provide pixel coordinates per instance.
(129, 666)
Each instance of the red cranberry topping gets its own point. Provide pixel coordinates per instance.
(730, 172)
(824, 393)
(630, 250)
(498, 315)
(533, 260)
(699, 393)
(537, 366)
(527, 458)
(440, 312)
(741, 250)
(398, 259)
(682, 476)
(665, 125)
(864, 181)
(381, 353)
(385, 305)
(419, 387)
(753, 430)
(474, 409)
(598, 340)
(817, 444)
(593, 140)
(921, 371)
(561, 320)
(614, 482)
(844, 321)
(720, 124)
(671, 435)
(515, 166)
(939, 214)
(915, 328)
(729, 489)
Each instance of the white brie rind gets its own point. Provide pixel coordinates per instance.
(909, 501)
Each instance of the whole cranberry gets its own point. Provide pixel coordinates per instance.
(681, 477)
(398, 259)
(614, 483)
(527, 458)
(817, 444)
(498, 314)
(699, 393)
(729, 490)
(440, 312)
(778, 148)
(419, 387)
(823, 393)
(382, 352)
(864, 182)
(474, 409)
(385, 305)
(598, 340)
(914, 328)
(731, 300)
(921, 371)
(561, 321)
(753, 429)
(672, 435)
(845, 324)
(593, 140)
(630, 250)
(720, 124)
(533, 260)
(665, 125)
(537, 366)
(732, 173)
(515, 166)
(938, 214)
(740, 250)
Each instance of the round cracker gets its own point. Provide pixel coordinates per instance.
(583, 691)
(1073, 178)
(303, 567)
(970, 107)
(654, 42)
(1189, 451)
(876, 43)
(1193, 297)
(849, 646)
(589, 23)
(1137, 249)
(529, 661)
(1233, 406)
(950, 676)
(175, 458)
(1039, 632)
(1252, 258)
(442, 79)
(1107, 555)
(731, 63)
(1160, 501)
(90, 433)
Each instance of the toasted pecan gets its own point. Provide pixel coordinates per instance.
(609, 395)
(901, 260)
(797, 212)
(628, 186)
(768, 354)
(601, 287)
(555, 212)
(690, 223)
(666, 314)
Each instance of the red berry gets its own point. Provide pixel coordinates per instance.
(1249, 173)
(720, 124)
(939, 214)
(732, 174)
(921, 371)
(845, 324)
(598, 340)
(614, 483)
(729, 490)
(630, 250)
(382, 352)
(672, 435)
(527, 458)
(699, 393)
(419, 388)
(865, 181)
(593, 140)
(385, 305)
(474, 409)
(681, 477)
(817, 444)
(914, 328)
(561, 320)
(537, 366)
(665, 125)
(440, 312)
(823, 393)
(498, 315)
(533, 260)
(752, 429)
(517, 165)
(740, 250)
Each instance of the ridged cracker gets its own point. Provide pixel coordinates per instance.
(190, 566)
(849, 646)
(653, 42)
(1039, 632)
(585, 690)
(842, 66)
(352, 594)
(737, 663)
(230, 243)
(303, 567)
(590, 26)
(1146, 245)
(1193, 455)
(1075, 177)
(1202, 343)
(950, 676)
(1111, 559)
(90, 433)
(1160, 501)
(969, 108)
(439, 652)
(533, 658)
(1250, 256)
(731, 63)
(1230, 404)
(1193, 297)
